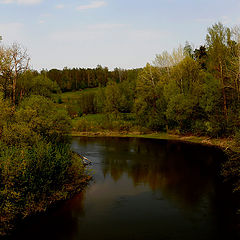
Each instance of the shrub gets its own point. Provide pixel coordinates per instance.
(32, 178)
(237, 137)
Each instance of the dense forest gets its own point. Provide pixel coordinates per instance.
(188, 91)
(80, 78)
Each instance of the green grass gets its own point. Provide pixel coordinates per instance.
(104, 122)
(71, 101)
(98, 118)
(69, 96)
(101, 116)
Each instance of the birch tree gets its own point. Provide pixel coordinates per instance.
(14, 61)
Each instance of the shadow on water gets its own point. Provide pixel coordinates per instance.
(143, 189)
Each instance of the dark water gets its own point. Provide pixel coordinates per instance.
(143, 189)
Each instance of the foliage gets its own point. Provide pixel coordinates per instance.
(37, 166)
(43, 86)
(31, 178)
(102, 122)
(14, 61)
(231, 169)
(6, 113)
(43, 117)
(79, 78)
(149, 103)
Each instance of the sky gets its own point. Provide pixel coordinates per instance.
(111, 33)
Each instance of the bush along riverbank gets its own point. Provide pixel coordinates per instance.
(37, 166)
(231, 168)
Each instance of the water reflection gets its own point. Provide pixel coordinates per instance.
(178, 171)
(143, 189)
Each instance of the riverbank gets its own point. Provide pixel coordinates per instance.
(223, 143)
(230, 169)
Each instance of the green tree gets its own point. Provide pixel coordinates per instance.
(211, 103)
(113, 96)
(219, 42)
(182, 93)
(201, 56)
(44, 117)
(7, 112)
(149, 102)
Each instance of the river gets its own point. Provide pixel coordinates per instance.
(143, 189)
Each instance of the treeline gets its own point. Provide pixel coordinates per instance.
(81, 78)
(189, 90)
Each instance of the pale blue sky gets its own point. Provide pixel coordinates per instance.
(113, 33)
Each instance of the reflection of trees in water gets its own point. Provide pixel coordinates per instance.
(180, 171)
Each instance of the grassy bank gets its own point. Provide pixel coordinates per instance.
(223, 143)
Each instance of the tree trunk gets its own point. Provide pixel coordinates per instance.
(224, 94)
(14, 90)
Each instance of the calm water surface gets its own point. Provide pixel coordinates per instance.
(143, 189)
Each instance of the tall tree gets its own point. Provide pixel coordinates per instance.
(149, 102)
(183, 92)
(218, 42)
(166, 61)
(14, 61)
(236, 59)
